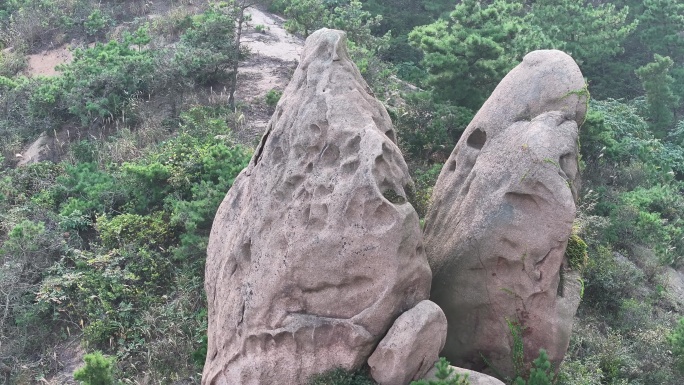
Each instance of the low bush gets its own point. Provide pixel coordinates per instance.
(87, 189)
(445, 375)
(676, 340)
(207, 49)
(608, 276)
(272, 97)
(424, 178)
(541, 372)
(99, 82)
(576, 253)
(428, 130)
(341, 377)
(98, 370)
(133, 230)
(96, 23)
(12, 62)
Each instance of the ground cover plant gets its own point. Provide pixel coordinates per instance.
(103, 246)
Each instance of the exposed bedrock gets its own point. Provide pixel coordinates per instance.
(502, 212)
(314, 251)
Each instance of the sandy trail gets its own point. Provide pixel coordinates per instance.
(274, 42)
(274, 56)
(44, 63)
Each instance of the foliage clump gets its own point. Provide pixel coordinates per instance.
(541, 372)
(98, 370)
(676, 340)
(340, 376)
(445, 375)
(272, 97)
(576, 253)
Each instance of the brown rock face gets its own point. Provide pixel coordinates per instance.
(314, 252)
(502, 212)
(411, 346)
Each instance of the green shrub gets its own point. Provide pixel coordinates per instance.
(23, 114)
(576, 253)
(517, 347)
(199, 356)
(341, 377)
(272, 97)
(634, 314)
(34, 22)
(100, 81)
(305, 16)
(541, 372)
(428, 130)
(12, 62)
(124, 230)
(676, 340)
(278, 6)
(609, 276)
(87, 189)
(207, 49)
(108, 290)
(445, 375)
(84, 151)
(28, 182)
(424, 180)
(98, 370)
(96, 23)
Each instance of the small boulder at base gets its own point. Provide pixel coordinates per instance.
(315, 250)
(411, 347)
(474, 378)
(502, 213)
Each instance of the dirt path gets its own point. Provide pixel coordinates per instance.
(44, 63)
(274, 56)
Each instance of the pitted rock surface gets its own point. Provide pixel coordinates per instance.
(314, 251)
(502, 212)
(411, 347)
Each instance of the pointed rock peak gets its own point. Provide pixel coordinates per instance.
(325, 45)
(314, 251)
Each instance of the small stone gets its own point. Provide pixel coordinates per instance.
(411, 347)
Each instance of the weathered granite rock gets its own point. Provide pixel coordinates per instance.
(502, 212)
(411, 347)
(474, 378)
(314, 251)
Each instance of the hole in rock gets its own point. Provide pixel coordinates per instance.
(477, 139)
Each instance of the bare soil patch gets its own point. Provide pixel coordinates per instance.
(274, 56)
(44, 63)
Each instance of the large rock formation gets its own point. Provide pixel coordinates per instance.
(502, 212)
(314, 252)
(411, 347)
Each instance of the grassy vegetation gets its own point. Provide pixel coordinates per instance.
(105, 245)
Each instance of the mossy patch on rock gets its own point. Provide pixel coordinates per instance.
(576, 253)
